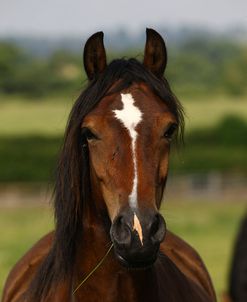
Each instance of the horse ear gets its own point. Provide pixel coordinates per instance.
(94, 56)
(155, 56)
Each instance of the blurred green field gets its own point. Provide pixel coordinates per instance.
(22, 227)
(42, 116)
(31, 134)
(209, 226)
(45, 117)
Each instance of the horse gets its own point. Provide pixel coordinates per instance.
(110, 241)
(237, 291)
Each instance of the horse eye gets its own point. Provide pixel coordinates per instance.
(170, 131)
(88, 134)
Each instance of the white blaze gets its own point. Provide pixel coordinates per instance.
(130, 116)
(138, 228)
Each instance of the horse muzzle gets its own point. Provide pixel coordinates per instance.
(137, 236)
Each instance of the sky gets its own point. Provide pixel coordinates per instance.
(75, 17)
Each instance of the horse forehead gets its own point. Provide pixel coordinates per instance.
(133, 102)
(144, 99)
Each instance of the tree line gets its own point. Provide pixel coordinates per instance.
(196, 66)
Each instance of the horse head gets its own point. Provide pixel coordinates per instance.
(127, 136)
(114, 161)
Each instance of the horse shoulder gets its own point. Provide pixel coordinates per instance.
(188, 262)
(22, 273)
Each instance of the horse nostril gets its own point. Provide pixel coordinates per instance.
(120, 232)
(155, 225)
(158, 229)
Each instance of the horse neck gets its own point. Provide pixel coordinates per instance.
(112, 282)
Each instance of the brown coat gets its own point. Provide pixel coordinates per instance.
(178, 251)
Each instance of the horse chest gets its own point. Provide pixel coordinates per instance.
(161, 283)
(119, 287)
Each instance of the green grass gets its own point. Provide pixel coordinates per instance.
(19, 117)
(20, 228)
(209, 227)
(208, 111)
(48, 117)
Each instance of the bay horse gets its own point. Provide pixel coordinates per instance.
(110, 242)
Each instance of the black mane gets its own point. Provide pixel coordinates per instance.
(72, 188)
